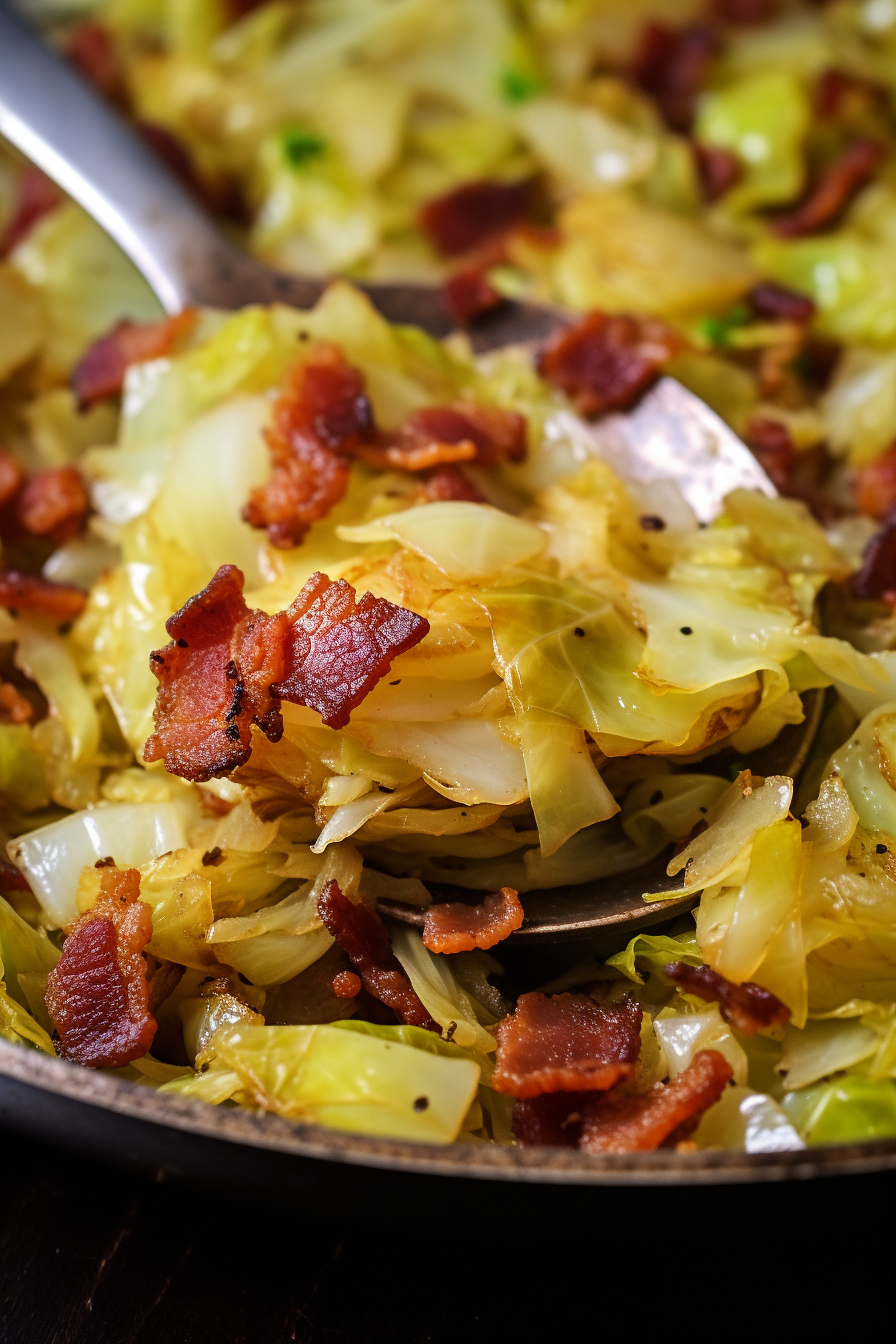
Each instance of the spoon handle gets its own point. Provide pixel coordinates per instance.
(56, 120)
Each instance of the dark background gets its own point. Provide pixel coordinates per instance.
(92, 1255)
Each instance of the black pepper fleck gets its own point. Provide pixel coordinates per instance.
(579, 632)
(881, 849)
(686, 630)
(651, 522)
(421, 1103)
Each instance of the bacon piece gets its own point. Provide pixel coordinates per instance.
(14, 708)
(877, 577)
(456, 927)
(779, 304)
(32, 593)
(566, 1043)
(471, 214)
(745, 13)
(98, 993)
(604, 363)
(11, 878)
(320, 415)
(449, 482)
(463, 432)
(774, 449)
(12, 475)
(36, 197)
(658, 1118)
(90, 48)
(718, 170)
(54, 504)
(875, 485)
(468, 294)
(833, 193)
(100, 373)
(553, 1120)
(363, 936)
(671, 65)
(228, 667)
(748, 1007)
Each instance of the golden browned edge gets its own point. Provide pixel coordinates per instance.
(554, 1166)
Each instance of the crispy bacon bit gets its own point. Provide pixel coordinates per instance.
(12, 474)
(320, 416)
(363, 936)
(32, 593)
(465, 431)
(875, 485)
(671, 65)
(473, 213)
(553, 1120)
(455, 927)
(718, 170)
(779, 304)
(833, 193)
(748, 1008)
(566, 1043)
(774, 450)
(449, 482)
(54, 504)
(604, 363)
(228, 668)
(346, 985)
(14, 708)
(877, 577)
(98, 993)
(101, 371)
(468, 294)
(90, 48)
(37, 196)
(745, 13)
(662, 1117)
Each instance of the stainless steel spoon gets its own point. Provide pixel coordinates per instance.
(57, 121)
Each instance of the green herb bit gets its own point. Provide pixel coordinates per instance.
(718, 329)
(301, 145)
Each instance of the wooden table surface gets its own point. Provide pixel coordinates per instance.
(90, 1255)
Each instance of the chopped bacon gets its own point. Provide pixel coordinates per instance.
(671, 65)
(12, 475)
(553, 1120)
(665, 1115)
(566, 1043)
(833, 193)
(745, 13)
(774, 449)
(14, 708)
(34, 594)
(228, 668)
(54, 504)
(90, 48)
(875, 485)
(463, 432)
(468, 216)
(98, 993)
(467, 294)
(101, 371)
(36, 197)
(748, 1008)
(779, 304)
(718, 170)
(604, 363)
(877, 576)
(320, 415)
(455, 927)
(363, 936)
(449, 482)
(346, 985)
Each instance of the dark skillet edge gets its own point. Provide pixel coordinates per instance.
(133, 1126)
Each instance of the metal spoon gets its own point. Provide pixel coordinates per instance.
(57, 121)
